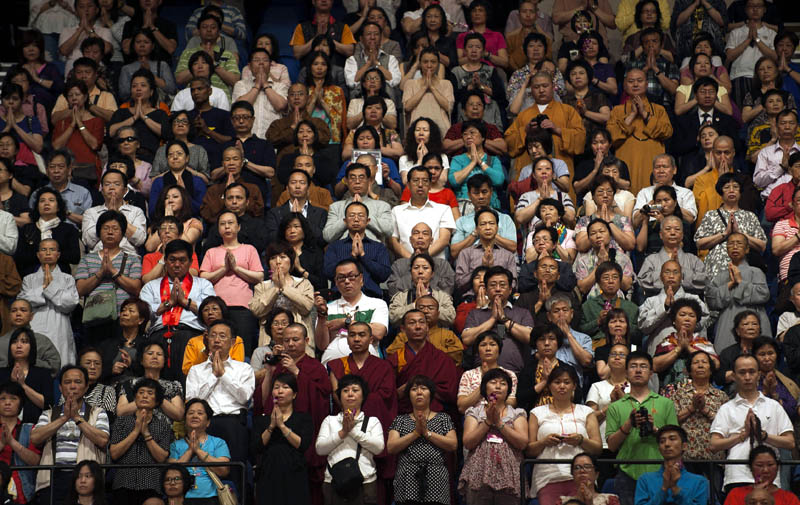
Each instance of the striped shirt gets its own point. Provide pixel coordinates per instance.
(91, 264)
(69, 435)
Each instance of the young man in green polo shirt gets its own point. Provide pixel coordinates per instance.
(624, 425)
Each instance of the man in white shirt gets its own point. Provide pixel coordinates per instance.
(227, 385)
(664, 170)
(735, 422)
(418, 209)
(330, 334)
(69, 41)
(268, 98)
(772, 164)
(113, 186)
(694, 273)
(368, 54)
(749, 42)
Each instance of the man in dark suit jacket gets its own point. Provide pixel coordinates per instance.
(299, 182)
(684, 144)
(251, 231)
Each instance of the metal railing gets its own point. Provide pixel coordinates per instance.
(111, 466)
(710, 463)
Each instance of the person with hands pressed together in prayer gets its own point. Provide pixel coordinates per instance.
(545, 188)
(70, 433)
(430, 95)
(422, 270)
(379, 223)
(443, 275)
(268, 97)
(80, 131)
(113, 185)
(747, 43)
(545, 285)
(586, 264)
(281, 131)
(143, 114)
(533, 391)
(664, 170)
(198, 445)
(614, 380)
(15, 442)
(602, 203)
(169, 228)
(487, 251)
(772, 382)
(21, 369)
(214, 201)
(764, 466)
(672, 237)
(213, 126)
(487, 348)
(772, 163)
(595, 309)
(479, 190)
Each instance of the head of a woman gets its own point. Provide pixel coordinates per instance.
(774, 101)
(127, 141)
(479, 12)
(305, 132)
(91, 359)
(19, 75)
(134, 313)
(434, 20)
(668, 199)
(197, 415)
(319, 68)
(763, 464)
(76, 93)
(746, 327)
(535, 45)
(648, 14)
(12, 96)
(373, 83)
(591, 46)
(767, 353)
(584, 469)
(143, 87)
(422, 131)
(487, 347)
(729, 187)
(542, 172)
(284, 389)
(49, 204)
(181, 126)
(177, 199)
(110, 228)
(600, 141)
(147, 394)
(766, 74)
(323, 43)
(473, 132)
(176, 481)
(562, 382)
(294, 228)
(88, 480)
(706, 137)
(476, 279)
(704, 43)
(700, 366)
(422, 268)
(474, 46)
(280, 257)
(366, 137)
(31, 47)
(603, 190)
(416, 43)
(579, 74)
(538, 143)
(419, 391)
(177, 155)
(276, 323)
(269, 42)
(228, 226)
(352, 392)
(685, 314)
(616, 327)
(152, 355)
(144, 42)
(495, 386)
(599, 233)
(213, 308)
(429, 60)
(547, 339)
(22, 347)
(700, 65)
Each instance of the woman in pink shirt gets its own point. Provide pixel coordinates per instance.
(496, 53)
(233, 268)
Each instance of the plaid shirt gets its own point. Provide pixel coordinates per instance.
(655, 92)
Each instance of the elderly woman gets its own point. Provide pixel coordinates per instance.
(785, 242)
(422, 270)
(616, 330)
(585, 472)
(127, 143)
(766, 77)
(613, 387)
(348, 434)
(716, 226)
(638, 129)
(198, 445)
(143, 114)
(271, 335)
(108, 277)
(182, 129)
(151, 360)
(282, 289)
(550, 231)
(617, 171)
(650, 238)
(763, 128)
(429, 95)
(475, 74)
(487, 348)
(279, 441)
(606, 207)
(772, 383)
(81, 132)
(736, 288)
(141, 438)
(35, 381)
(600, 250)
(746, 329)
(670, 351)
(495, 434)
(98, 394)
(421, 438)
(591, 103)
(697, 402)
(120, 351)
(763, 464)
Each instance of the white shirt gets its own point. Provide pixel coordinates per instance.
(151, 295)
(100, 31)
(405, 164)
(227, 394)
(183, 100)
(685, 199)
(8, 233)
(336, 449)
(786, 321)
(744, 65)
(265, 112)
(132, 213)
(730, 420)
(436, 215)
(378, 313)
(351, 69)
(600, 395)
(768, 173)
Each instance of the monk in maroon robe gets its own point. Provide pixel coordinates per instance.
(313, 393)
(419, 357)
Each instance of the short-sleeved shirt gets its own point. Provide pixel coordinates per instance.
(226, 60)
(471, 380)
(69, 435)
(146, 478)
(92, 262)
(369, 310)
(744, 65)
(786, 228)
(230, 287)
(203, 485)
(494, 42)
(102, 99)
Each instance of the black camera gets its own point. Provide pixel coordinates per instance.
(272, 359)
(645, 427)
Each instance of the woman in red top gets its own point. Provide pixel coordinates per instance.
(80, 132)
(764, 465)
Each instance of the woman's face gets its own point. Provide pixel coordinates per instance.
(549, 212)
(707, 138)
(546, 346)
(142, 45)
(731, 192)
(280, 262)
(590, 48)
(686, 319)
(84, 485)
(704, 47)
(583, 470)
(282, 394)
(473, 50)
(365, 140)
(176, 158)
(196, 418)
(543, 173)
(611, 171)
(420, 396)
(667, 203)
(477, 283)
(372, 83)
(12, 102)
(21, 347)
(766, 357)
(294, 231)
(421, 44)
(471, 137)
(319, 67)
(767, 72)
(153, 358)
(618, 329)
(764, 468)
(617, 356)
(23, 82)
(598, 236)
(562, 387)
(579, 78)
(31, 52)
(488, 351)
(200, 68)
(433, 20)
(305, 134)
(211, 312)
(603, 194)
(228, 226)
(649, 14)
(429, 63)
(774, 105)
(173, 483)
(535, 52)
(700, 367)
(497, 389)
(421, 271)
(352, 397)
(180, 126)
(422, 132)
(140, 89)
(264, 43)
(93, 363)
(600, 144)
(702, 66)
(536, 150)
(145, 398)
(75, 97)
(323, 47)
(277, 326)
(435, 169)
(129, 316)
(127, 142)
(174, 200)
(48, 205)
(478, 15)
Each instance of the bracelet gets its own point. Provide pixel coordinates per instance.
(148, 438)
(82, 128)
(623, 431)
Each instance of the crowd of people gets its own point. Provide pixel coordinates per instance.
(440, 242)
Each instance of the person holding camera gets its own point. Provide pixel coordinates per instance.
(631, 423)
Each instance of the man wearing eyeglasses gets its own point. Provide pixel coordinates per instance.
(268, 97)
(333, 318)
(357, 179)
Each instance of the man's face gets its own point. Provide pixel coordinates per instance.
(298, 186)
(348, 280)
(236, 200)
(85, 8)
(220, 340)
(737, 247)
(430, 308)
(542, 90)
(787, 127)
(759, 497)
(85, 74)
(547, 270)
(178, 265)
(200, 92)
(560, 312)
(706, 96)
(636, 83)
(670, 445)
(48, 252)
(73, 384)
(745, 374)
(421, 237)
(723, 151)
(356, 219)
(242, 121)
(671, 275)
(651, 43)
(473, 109)
(357, 181)
(543, 243)
(298, 96)
(93, 52)
(306, 164)
(113, 187)
(232, 162)
(294, 342)
(323, 5)
(419, 183)
(358, 338)
(209, 30)
(672, 232)
(259, 62)
(145, 398)
(480, 197)
(498, 286)
(371, 37)
(7, 148)
(57, 170)
(21, 314)
(639, 371)
(416, 327)
(663, 171)
(487, 226)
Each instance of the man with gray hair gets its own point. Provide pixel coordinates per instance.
(578, 351)
(664, 170)
(674, 239)
(357, 179)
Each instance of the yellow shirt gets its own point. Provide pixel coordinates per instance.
(441, 338)
(196, 353)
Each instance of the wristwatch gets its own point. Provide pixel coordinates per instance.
(167, 304)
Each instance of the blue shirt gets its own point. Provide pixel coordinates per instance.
(790, 85)
(693, 489)
(495, 173)
(198, 192)
(375, 262)
(565, 354)
(203, 486)
(76, 198)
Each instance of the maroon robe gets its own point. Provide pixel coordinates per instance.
(432, 363)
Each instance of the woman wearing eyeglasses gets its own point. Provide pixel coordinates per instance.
(584, 471)
(182, 129)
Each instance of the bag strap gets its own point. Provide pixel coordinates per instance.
(122, 265)
(364, 429)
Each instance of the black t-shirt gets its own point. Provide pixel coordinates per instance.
(585, 167)
(218, 120)
(148, 140)
(165, 26)
(16, 204)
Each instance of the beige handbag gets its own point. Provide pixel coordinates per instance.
(224, 493)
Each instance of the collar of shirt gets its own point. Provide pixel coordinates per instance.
(427, 203)
(778, 149)
(650, 394)
(738, 400)
(700, 113)
(343, 304)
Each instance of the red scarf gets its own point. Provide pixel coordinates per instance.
(171, 318)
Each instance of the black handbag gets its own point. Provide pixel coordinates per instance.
(346, 478)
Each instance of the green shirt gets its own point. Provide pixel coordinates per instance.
(225, 59)
(663, 412)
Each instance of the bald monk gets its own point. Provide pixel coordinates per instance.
(638, 130)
